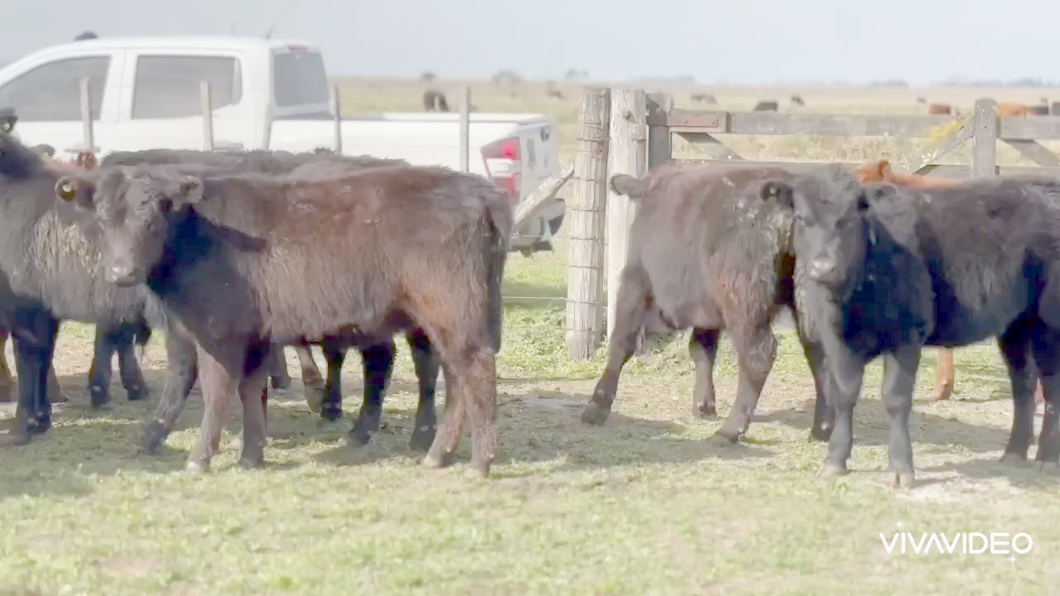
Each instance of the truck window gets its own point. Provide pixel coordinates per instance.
(168, 86)
(52, 91)
(299, 79)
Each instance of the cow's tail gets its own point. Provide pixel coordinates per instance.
(631, 186)
(499, 218)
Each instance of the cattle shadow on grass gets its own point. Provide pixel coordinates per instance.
(872, 426)
(82, 442)
(545, 429)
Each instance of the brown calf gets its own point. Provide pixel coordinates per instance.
(246, 260)
(881, 171)
(706, 253)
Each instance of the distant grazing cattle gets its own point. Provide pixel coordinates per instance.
(370, 251)
(881, 171)
(737, 274)
(1038, 110)
(556, 93)
(797, 101)
(940, 109)
(706, 98)
(766, 106)
(1012, 110)
(434, 101)
(954, 266)
(921, 101)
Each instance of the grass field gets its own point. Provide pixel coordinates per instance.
(646, 504)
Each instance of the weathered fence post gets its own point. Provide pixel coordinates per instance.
(87, 132)
(465, 130)
(336, 110)
(984, 139)
(207, 116)
(585, 231)
(628, 148)
(659, 151)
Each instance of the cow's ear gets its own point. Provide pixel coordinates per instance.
(863, 201)
(778, 192)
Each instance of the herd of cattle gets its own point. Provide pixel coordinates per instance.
(1004, 110)
(237, 254)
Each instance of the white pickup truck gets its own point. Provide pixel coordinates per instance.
(145, 93)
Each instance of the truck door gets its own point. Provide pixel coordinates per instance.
(162, 101)
(46, 96)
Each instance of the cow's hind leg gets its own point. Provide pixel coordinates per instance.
(335, 355)
(755, 349)
(1014, 348)
(220, 380)
(312, 382)
(378, 362)
(703, 348)
(632, 307)
(899, 379)
(281, 379)
(427, 365)
(1045, 343)
(252, 392)
(943, 376)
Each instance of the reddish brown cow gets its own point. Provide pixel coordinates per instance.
(940, 109)
(1012, 110)
(881, 171)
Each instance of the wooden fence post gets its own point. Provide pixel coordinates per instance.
(336, 109)
(629, 155)
(207, 116)
(87, 131)
(984, 139)
(585, 231)
(659, 150)
(465, 130)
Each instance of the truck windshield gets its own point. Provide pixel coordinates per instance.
(299, 79)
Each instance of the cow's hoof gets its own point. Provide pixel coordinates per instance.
(705, 411)
(821, 434)
(17, 439)
(433, 460)
(197, 467)
(422, 438)
(251, 462)
(729, 435)
(903, 480)
(594, 414)
(1013, 459)
(154, 435)
(830, 470)
(942, 393)
(362, 433)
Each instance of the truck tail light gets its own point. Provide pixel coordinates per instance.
(502, 161)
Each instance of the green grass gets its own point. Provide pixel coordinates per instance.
(646, 504)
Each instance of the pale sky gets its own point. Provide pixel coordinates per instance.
(753, 41)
